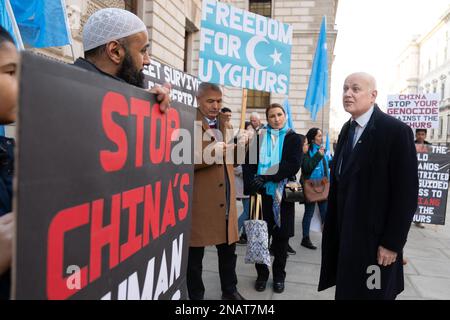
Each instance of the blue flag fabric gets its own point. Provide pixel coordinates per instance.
(327, 148)
(7, 21)
(287, 108)
(317, 94)
(42, 23)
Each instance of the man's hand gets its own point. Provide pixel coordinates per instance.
(162, 96)
(6, 235)
(386, 257)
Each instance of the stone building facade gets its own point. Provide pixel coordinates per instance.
(174, 33)
(424, 67)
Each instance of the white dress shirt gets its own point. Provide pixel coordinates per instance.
(362, 122)
(213, 122)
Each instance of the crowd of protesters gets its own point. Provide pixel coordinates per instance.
(365, 217)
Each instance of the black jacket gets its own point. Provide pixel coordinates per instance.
(310, 163)
(86, 65)
(291, 158)
(6, 177)
(372, 204)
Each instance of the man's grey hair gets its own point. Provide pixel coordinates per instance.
(256, 115)
(206, 86)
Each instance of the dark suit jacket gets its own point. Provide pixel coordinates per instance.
(291, 158)
(371, 204)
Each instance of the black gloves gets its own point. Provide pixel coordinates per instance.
(257, 183)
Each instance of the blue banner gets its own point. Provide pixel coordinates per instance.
(242, 49)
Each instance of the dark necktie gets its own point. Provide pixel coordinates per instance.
(349, 144)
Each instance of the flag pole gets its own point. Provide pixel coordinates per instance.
(69, 31)
(323, 112)
(323, 109)
(243, 108)
(14, 25)
(73, 52)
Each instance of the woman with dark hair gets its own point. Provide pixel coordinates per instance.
(278, 158)
(314, 166)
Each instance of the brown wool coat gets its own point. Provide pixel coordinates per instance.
(209, 203)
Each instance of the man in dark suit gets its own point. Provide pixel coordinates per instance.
(372, 200)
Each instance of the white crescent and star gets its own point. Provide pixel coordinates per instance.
(276, 57)
(251, 45)
(250, 52)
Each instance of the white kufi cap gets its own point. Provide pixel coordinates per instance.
(110, 24)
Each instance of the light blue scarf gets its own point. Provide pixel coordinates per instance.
(269, 158)
(319, 170)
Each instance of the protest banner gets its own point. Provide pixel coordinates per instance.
(102, 210)
(242, 49)
(433, 171)
(184, 86)
(419, 111)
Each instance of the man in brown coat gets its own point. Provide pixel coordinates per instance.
(214, 215)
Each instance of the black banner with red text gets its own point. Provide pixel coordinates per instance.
(433, 172)
(102, 210)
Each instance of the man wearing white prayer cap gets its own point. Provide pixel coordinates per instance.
(116, 44)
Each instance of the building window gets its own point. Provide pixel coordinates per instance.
(261, 7)
(441, 125)
(448, 125)
(131, 5)
(258, 99)
(189, 31)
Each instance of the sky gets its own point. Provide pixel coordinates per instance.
(371, 36)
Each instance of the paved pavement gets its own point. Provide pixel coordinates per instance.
(427, 274)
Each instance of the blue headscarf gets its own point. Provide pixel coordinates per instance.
(270, 154)
(319, 171)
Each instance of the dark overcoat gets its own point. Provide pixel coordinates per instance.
(371, 204)
(291, 158)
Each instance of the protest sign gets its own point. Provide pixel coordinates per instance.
(242, 49)
(184, 86)
(102, 210)
(433, 183)
(419, 111)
